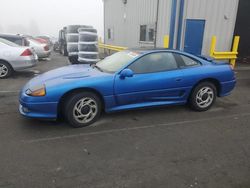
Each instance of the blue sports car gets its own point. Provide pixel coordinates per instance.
(126, 80)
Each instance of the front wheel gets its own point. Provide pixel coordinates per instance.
(82, 109)
(203, 96)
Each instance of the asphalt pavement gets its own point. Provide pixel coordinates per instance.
(170, 147)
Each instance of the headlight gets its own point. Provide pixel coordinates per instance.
(37, 91)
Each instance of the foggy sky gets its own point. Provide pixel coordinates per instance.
(47, 17)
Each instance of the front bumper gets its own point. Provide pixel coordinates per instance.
(40, 110)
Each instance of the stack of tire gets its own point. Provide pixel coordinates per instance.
(87, 46)
(72, 42)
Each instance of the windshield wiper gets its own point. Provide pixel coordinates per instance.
(97, 67)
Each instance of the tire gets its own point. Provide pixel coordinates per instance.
(72, 37)
(88, 55)
(72, 109)
(5, 70)
(74, 28)
(89, 29)
(87, 47)
(72, 47)
(73, 59)
(200, 101)
(87, 38)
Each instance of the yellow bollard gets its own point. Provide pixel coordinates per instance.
(213, 45)
(232, 55)
(235, 49)
(166, 41)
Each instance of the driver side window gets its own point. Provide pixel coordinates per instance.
(155, 62)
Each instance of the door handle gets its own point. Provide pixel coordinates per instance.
(178, 79)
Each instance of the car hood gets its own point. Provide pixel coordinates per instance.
(70, 72)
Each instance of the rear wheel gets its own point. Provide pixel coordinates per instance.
(5, 70)
(203, 96)
(82, 109)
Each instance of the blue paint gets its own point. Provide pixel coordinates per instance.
(194, 36)
(181, 11)
(119, 93)
(172, 23)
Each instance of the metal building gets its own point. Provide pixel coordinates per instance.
(189, 23)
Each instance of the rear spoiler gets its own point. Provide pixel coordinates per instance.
(212, 60)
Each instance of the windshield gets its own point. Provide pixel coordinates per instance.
(116, 61)
(9, 43)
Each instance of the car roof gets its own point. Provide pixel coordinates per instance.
(11, 35)
(149, 50)
(142, 51)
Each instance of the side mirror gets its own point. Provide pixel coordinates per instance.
(126, 73)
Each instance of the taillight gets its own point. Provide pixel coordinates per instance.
(27, 52)
(46, 48)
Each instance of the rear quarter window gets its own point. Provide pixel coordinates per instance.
(189, 62)
(185, 61)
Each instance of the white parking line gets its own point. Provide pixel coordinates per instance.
(234, 116)
(9, 91)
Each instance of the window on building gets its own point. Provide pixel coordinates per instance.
(147, 33)
(143, 32)
(110, 34)
(151, 34)
(155, 62)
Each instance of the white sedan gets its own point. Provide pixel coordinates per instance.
(14, 58)
(42, 50)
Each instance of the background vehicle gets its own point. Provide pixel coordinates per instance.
(42, 50)
(14, 57)
(56, 47)
(45, 39)
(62, 42)
(126, 80)
(17, 39)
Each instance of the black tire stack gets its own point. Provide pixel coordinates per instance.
(72, 39)
(87, 46)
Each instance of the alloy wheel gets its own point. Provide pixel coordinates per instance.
(205, 97)
(85, 110)
(3, 70)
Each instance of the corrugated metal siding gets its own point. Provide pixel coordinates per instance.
(137, 12)
(163, 21)
(220, 16)
(113, 16)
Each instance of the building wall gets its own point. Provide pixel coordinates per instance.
(113, 18)
(126, 20)
(163, 21)
(220, 16)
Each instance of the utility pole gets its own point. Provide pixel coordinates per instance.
(156, 22)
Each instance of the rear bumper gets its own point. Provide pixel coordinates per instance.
(24, 64)
(226, 88)
(43, 54)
